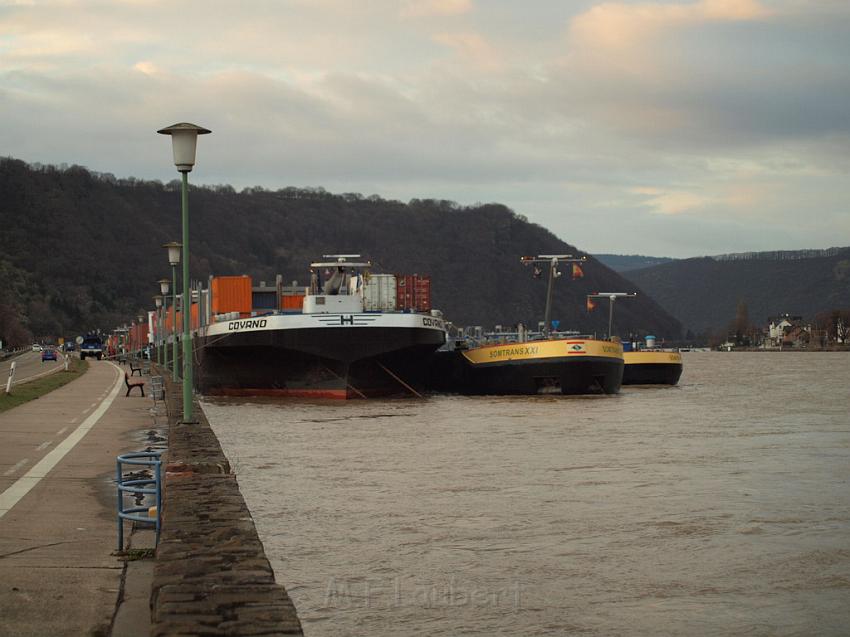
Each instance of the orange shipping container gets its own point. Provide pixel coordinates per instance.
(231, 294)
(292, 301)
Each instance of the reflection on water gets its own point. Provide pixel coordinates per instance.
(716, 507)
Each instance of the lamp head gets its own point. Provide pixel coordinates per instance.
(158, 300)
(163, 286)
(184, 139)
(173, 252)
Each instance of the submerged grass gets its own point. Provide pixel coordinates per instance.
(37, 388)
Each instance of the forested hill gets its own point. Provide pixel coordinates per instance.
(627, 262)
(704, 293)
(81, 251)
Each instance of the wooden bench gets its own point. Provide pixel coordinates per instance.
(133, 370)
(132, 385)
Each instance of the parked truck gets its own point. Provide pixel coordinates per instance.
(91, 346)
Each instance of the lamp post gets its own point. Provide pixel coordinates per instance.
(158, 340)
(184, 140)
(173, 258)
(163, 288)
(141, 336)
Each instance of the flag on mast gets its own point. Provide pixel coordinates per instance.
(590, 304)
(577, 271)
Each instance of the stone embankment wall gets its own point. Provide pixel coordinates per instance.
(211, 575)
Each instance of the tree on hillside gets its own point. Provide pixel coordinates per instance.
(835, 324)
(13, 331)
(743, 332)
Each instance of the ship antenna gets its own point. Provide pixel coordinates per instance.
(553, 260)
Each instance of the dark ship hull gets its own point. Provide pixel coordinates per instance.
(327, 361)
(574, 366)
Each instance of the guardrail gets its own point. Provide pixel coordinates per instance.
(140, 488)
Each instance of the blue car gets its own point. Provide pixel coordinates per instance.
(48, 354)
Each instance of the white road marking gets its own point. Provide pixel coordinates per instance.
(44, 445)
(16, 467)
(73, 421)
(61, 431)
(11, 496)
(93, 405)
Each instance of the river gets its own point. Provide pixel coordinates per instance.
(720, 506)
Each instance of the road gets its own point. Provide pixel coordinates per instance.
(28, 366)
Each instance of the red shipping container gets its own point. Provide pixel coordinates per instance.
(413, 292)
(422, 294)
(292, 301)
(231, 294)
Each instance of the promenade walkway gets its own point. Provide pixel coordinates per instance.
(58, 574)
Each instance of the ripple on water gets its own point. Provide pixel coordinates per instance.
(715, 507)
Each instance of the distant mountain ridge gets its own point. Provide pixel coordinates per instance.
(780, 255)
(626, 262)
(703, 293)
(83, 251)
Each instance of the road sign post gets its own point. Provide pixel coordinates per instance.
(11, 376)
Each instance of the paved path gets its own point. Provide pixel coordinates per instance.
(57, 511)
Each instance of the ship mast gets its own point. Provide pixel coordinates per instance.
(553, 260)
(611, 296)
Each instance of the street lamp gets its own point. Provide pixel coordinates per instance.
(141, 336)
(173, 258)
(184, 141)
(158, 340)
(163, 288)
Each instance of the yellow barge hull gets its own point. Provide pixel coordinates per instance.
(558, 366)
(649, 367)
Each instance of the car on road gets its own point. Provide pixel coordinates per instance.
(36, 347)
(48, 354)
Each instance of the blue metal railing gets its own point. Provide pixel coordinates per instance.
(140, 488)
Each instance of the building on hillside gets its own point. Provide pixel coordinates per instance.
(777, 328)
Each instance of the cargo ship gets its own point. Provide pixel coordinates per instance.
(529, 363)
(651, 365)
(349, 334)
(565, 364)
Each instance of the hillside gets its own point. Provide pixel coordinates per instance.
(703, 293)
(84, 250)
(628, 262)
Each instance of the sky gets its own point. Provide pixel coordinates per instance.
(665, 128)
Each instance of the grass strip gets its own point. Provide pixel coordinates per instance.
(37, 388)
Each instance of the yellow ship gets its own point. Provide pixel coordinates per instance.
(652, 367)
(552, 366)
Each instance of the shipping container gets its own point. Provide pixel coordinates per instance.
(413, 292)
(422, 294)
(292, 302)
(379, 293)
(231, 294)
(264, 301)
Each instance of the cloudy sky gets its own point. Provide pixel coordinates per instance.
(675, 128)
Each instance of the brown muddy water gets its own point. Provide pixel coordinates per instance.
(717, 507)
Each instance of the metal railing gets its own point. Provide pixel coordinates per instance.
(140, 486)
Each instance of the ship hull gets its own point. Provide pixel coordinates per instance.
(543, 367)
(323, 361)
(652, 368)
